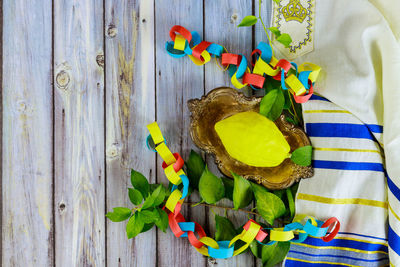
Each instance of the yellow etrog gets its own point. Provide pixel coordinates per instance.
(251, 138)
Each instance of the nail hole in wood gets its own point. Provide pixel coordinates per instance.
(61, 207)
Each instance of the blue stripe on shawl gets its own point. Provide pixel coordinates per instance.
(337, 256)
(346, 165)
(346, 130)
(346, 244)
(394, 240)
(317, 97)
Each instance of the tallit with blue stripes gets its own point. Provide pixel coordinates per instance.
(349, 183)
(356, 135)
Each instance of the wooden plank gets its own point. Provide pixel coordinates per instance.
(27, 229)
(79, 133)
(178, 80)
(220, 24)
(130, 106)
(1, 127)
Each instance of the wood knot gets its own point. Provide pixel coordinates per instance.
(113, 151)
(100, 60)
(21, 106)
(212, 261)
(112, 31)
(62, 79)
(234, 18)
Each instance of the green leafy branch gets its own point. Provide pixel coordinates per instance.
(251, 20)
(146, 212)
(148, 199)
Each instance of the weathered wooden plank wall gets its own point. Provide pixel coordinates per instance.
(79, 133)
(27, 149)
(130, 105)
(100, 69)
(178, 80)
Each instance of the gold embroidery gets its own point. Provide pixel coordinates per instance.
(294, 11)
(295, 17)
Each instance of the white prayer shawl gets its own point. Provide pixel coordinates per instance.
(356, 133)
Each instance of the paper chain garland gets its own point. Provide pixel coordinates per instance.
(200, 52)
(294, 232)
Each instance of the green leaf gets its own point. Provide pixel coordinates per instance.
(153, 187)
(299, 111)
(159, 195)
(256, 248)
(119, 214)
(271, 84)
(149, 201)
(224, 229)
(134, 226)
(135, 196)
(277, 1)
(274, 254)
(190, 191)
(240, 230)
(268, 205)
(287, 99)
(242, 195)
(147, 227)
(275, 31)
(290, 202)
(279, 193)
(162, 221)
(271, 105)
(147, 216)
(302, 156)
(294, 188)
(156, 198)
(248, 21)
(290, 120)
(211, 187)
(140, 183)
(284, 39)
(195, 167)
(228, 183)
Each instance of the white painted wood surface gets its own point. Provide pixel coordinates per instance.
(81, 80)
